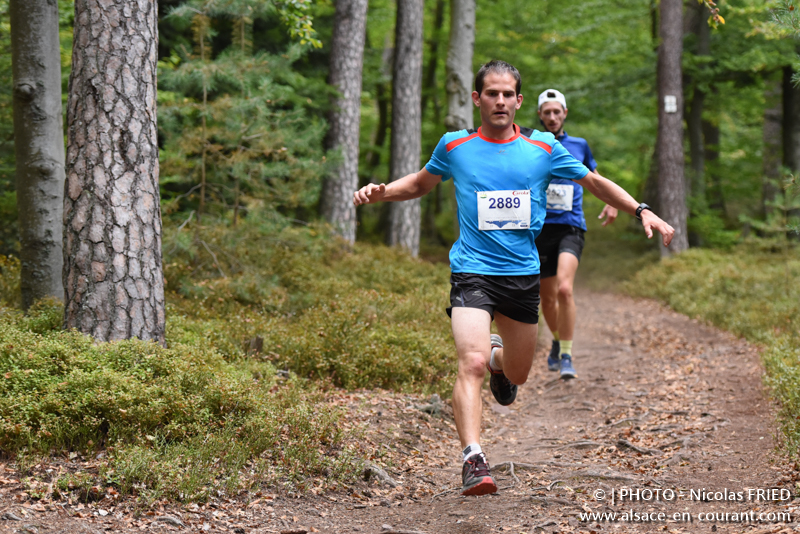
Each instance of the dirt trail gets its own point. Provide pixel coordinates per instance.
(661, 403)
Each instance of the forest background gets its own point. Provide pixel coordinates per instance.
(257, 286)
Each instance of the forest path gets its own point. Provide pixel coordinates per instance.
(661, 403)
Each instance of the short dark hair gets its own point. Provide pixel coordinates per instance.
(496, 66)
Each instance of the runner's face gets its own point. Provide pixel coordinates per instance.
(553, 115)
(498, 101)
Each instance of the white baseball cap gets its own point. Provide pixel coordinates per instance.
(552, 95)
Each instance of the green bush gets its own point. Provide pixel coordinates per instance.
(211, 413)
(370, 317)
(178, 422)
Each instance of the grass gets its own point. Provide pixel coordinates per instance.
(213, 413)
(752, 290)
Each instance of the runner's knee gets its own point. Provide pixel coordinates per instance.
(473, 364)
(565, 290)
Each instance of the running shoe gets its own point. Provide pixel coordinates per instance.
(475, 476)
(553, 359)
(567, 371)
(503, 390)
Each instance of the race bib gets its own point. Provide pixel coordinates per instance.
(559, 197)
(504, 210)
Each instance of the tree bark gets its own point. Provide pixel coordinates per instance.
(429, 90)
(406, 120)
(791, 126)
(382, 99)
(347, 59)
(711, 138)
(773, 117)
(791, 121)
(694, 122)
(672, 187)
(39, 146)
(113, 279)
(459, 65)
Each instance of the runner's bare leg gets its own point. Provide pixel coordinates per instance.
(567, 267)
(558, 304)
(471, 331)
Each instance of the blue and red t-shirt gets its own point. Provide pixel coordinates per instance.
(579, 148)
(478, 165)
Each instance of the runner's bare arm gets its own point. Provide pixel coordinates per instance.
(609, 212)
(615, 196)
(414, 185)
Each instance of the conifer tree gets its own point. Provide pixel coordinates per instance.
(406, 120)
(346, 63)
(39, 144)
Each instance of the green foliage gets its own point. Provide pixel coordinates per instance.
(370, 318)
(10, 294)
(179, 422)
(8, 196)
(782, 220)
(243, 120)
(753, 291)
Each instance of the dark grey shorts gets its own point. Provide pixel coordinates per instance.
(555, 239)
(516, 297)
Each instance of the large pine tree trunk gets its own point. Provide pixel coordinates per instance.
(459, 65)
(39, 146)
(113, 280)
(347, 59)
(406, 120)
(671, 186)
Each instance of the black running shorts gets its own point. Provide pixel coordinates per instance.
(516, 297)
(555, 239)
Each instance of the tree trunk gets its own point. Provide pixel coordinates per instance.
(671, 186)
(406, 120)
(382, 100)
(773, 116)
(459, 65)
(347, 59)
(711, 137)
(791, 121)
(791, 127)
(39, 146)
(694, 122)
(113, 281)
(429, 90)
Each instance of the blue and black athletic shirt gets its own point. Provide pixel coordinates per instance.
(478, 164)
(579, 148)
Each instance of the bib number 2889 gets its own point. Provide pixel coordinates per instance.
(504, 210)
(502, 203)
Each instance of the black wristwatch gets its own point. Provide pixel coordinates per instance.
(640, 209)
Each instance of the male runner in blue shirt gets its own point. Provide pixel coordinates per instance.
(560, 243)
(500, 178)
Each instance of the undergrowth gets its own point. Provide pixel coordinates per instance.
(752, 290)
(214, 413)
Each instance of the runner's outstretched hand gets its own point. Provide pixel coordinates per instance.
(369, 194)
(610, 212)
(651, 222)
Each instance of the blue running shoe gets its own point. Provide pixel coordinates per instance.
(567, 371)
(553, 359)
